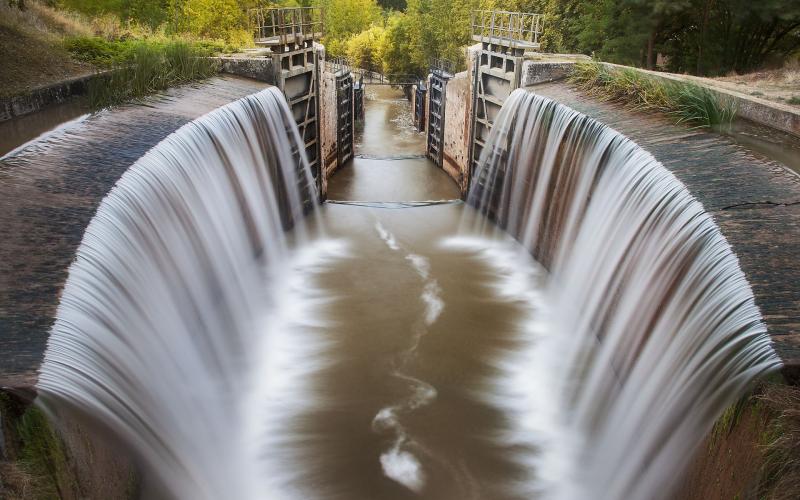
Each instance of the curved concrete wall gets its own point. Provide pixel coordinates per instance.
(755, 201)
(49, 192)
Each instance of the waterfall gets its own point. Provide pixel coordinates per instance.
(167, 317)
(652, 329)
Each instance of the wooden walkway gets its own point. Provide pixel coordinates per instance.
(49, 192)
(755, 201)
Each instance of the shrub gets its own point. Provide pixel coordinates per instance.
(364, 50)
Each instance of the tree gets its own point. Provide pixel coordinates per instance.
(220, 19)
(345, 18)
(398, 46)
(365, 49)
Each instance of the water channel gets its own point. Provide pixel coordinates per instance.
(416, 326)
(394, 343)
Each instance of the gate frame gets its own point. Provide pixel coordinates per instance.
(505, 37)
(291, 35)
(441, 73)
(344, 117)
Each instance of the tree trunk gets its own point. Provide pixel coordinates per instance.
(650, 56)
(702, 43)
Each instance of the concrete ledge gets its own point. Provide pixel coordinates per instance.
(257, 68)
(771, 114)
(42, 97)
(536, 72)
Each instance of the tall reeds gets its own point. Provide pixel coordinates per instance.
(685, 101)
(150, 68)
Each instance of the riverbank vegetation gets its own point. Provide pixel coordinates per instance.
(147, 68)
(701, 37)
(41, 44)
(686, 102)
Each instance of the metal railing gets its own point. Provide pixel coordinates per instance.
(375, 78)
(341, 65)
(338, 65)
(501, 26)
(281, 26)
(442, 67)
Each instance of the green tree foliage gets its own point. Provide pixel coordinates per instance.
(220, 19)
(441, 29)
(148, 12)
(398, 46)
(706, 37)
(346, 18)
(364, 50)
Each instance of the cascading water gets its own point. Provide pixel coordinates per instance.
(168, 333)
(190, 322)
(651, 327)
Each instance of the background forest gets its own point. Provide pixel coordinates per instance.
(703, 37)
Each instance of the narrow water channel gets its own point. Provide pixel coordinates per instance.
(415, 325)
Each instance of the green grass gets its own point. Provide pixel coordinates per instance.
(685, 102)
(143, 68)
(781, 443)
(43, 456)
(106, 53)
(795, 99)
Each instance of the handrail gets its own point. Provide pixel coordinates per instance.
(502, 26)
(442, 67)
(282, 26)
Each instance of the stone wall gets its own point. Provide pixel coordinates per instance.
(534, 73)
(457, 120)
(43, 97)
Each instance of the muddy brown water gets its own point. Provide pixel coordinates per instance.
(381, 350)
(389, 163)
(18, 131)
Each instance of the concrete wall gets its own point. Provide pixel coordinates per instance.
(457, 112)
(771, 114)
(257, 68)
(43, 97)
(327, 127)
(534, 73)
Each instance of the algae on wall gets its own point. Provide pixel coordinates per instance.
(753, 451)
(41, 461)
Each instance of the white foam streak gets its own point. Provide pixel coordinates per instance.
(398, 463)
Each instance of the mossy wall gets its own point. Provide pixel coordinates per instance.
(41, 461)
